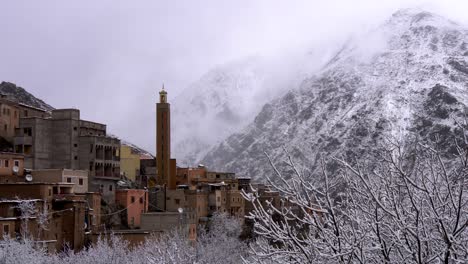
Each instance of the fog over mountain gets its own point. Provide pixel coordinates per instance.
(228, 97)
(407, 77)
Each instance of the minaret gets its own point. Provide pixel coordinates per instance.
(163, 140)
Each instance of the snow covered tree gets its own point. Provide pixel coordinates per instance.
(408, 204)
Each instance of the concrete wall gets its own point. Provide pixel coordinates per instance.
(136, 202)
(26, 191)
(78, 177)
(129, 162)
(162, 221)
(94, 202)
(11, 159)
(9, 119)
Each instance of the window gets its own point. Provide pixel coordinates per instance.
(27, 131)
(110, 188)
(7, 163)
(68, 179)
(141, 200)
(75, 145)
(25, 113)
(75, 128)
(76, 157)
(16, 162)
(91, 148)
(6, 229)
(177, 201)
(80, 181)
(132, 199)
(6, 127)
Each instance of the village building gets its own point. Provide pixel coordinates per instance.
(48, 213)
(64, 141)
(135, 203)
(11, 167)
(10, 114)
(129, 162)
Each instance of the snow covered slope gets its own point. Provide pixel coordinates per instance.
(410, 75)
(225, 100)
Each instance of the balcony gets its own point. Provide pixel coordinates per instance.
(23, 140)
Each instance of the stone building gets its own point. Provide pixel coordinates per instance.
(11, 167)
(129, 162)
(136, 203)
(9, 119)
(77, 177)
(64, 141)
(57, 217)
(10, 114)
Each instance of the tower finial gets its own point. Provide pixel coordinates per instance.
(163, 87)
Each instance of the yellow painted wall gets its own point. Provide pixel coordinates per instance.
(129, 162)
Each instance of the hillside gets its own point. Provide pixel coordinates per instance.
(407, 77)
(19, 94)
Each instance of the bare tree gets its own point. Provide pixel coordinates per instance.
(408, 206)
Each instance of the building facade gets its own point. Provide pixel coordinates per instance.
(136, 203)
(64, 141)
(129, 162)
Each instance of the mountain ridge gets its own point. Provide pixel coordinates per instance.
(412, 81)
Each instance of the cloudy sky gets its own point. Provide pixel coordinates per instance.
(109, 58)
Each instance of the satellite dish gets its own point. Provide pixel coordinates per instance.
(181, 210)
(28, 177)
(15, 170)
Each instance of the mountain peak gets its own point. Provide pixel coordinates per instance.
(413, 17)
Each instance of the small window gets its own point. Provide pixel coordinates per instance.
(7, 163)
(16, 163)
(132, 199)
(141, 200)
(110, 188)
(27, 131)
(6, 127)
(6, 229)
(69, 180)
(76, 157)
(75, 145)
(177, 201)
(80, 181)
(75, 128)
(91, 146)
(25, 113)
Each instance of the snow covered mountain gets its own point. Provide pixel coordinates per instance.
(408, 76)
(225, 100)
(20, 95)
